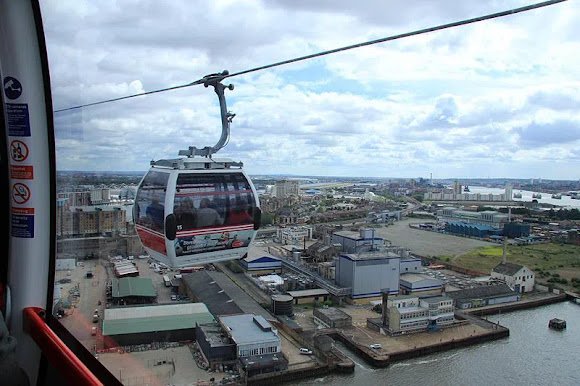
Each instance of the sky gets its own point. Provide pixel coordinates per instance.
(497, 99)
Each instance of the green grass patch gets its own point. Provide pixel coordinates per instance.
(546, 257)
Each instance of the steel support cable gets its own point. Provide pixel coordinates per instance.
(336, 50)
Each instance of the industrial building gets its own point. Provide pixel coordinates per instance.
(282, 305)
(308, 296)
(410, 265)
(132, 290)
(515, 229)
(295, 235)
(419, 284)
(490, 218)
(355, 242)
(159, 323)
(517, 276)
(201, 287)
(410, 313)
(125, 268)
(331, 317)
(216, 346)
(258, 346)
(470, 229)
(368, 273)
(261, 265)
(483, 296)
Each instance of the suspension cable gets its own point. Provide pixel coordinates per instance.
(333, 51)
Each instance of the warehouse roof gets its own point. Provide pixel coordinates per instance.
(133, 286)
(206, 289)
(261, 259)
(131, 320)
(483, 292)
(480, 227)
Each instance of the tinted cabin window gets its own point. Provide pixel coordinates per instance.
(211, 200)
(150, 201)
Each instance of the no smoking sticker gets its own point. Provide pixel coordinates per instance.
(20, 193)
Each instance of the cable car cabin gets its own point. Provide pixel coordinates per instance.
(195, 211)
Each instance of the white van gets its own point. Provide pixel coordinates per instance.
(375, 346)
(305, 351)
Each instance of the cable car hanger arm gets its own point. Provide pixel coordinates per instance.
(214, 80)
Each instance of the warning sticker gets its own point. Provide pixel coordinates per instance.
(18, 151)
(18, 119)
(21, 172)
(20, 193)
(22, 220)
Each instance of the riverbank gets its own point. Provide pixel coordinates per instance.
(523, 304)
(533, 354)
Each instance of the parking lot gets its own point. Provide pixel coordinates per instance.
(426, 243)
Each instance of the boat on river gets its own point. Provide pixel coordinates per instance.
(557, 324)
(537, 195)
(557, 196)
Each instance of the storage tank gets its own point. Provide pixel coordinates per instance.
(282, 305)
(367, 233)
(296, 255)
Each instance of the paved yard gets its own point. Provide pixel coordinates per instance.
(426, 243)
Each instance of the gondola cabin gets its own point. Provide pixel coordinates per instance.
(195, 211)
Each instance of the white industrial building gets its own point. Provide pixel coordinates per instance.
(355, 242)
(518, 277)
(419, 284)
(411, 313)
(491, 218)
(261, 264)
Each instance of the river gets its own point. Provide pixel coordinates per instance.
(565, 201)
(532, 355)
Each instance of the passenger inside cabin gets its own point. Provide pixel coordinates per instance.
(155, 213)
(207, 216)
(185, 214)
(239, 213)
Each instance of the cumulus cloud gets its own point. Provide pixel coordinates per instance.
(465, 102)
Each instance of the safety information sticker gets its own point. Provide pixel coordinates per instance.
(18, 119)
(22, 222)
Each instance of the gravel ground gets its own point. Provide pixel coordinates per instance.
(427, 243)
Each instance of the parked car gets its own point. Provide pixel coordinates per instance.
(305, 351)
(375, 346)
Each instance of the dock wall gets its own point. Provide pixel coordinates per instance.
(514, 306)
(499, 333)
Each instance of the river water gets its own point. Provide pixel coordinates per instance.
(565, 201)
(532, 355)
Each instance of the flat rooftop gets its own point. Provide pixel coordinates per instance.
(333, 313)
(376, 255)
(415, 277)
(308, 293)
(249, 329)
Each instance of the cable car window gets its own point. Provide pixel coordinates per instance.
(213, 212)
(150, 202)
